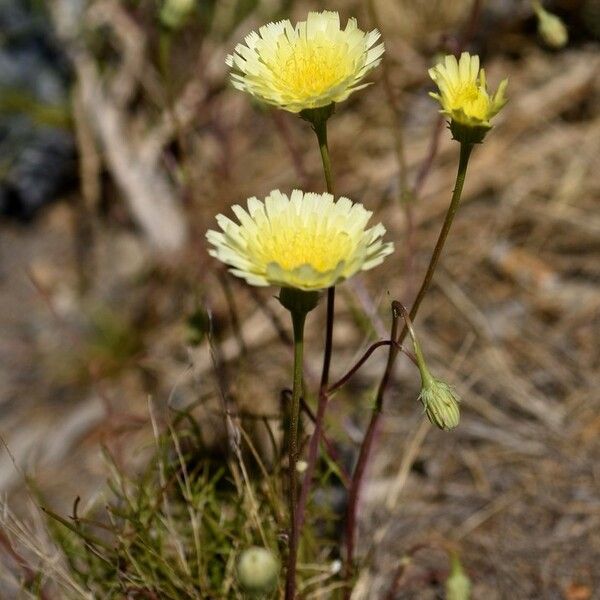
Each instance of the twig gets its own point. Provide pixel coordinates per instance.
(338, 384)
(132, 159)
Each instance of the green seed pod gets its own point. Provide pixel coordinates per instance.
(258, 571)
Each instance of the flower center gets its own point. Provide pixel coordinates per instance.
(473, 100)
(310, 67)
(293, 247)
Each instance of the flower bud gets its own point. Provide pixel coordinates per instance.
(551, 28)
(458, 585)
(174, 13)
(440, 403)
(439, 400)
(258, 571)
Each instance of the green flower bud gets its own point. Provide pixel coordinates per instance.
(258, 571)
(458, 585)
(551, 28)
(440, 402)
(174, 13)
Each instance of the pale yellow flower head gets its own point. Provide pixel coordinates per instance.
(463, 91)
(307, 241)
(307, 66)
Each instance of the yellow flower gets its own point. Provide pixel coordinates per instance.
(307, 241)
(308, 66)
(463, 92)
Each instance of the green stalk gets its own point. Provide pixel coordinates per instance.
(298, 319)
(320, 127)
(465, 154)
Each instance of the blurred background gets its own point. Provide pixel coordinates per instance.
(121, 138)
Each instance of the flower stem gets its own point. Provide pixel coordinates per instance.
(465, 154)
(365, 452)
(298, 319)
(320, 128)
(371, 433)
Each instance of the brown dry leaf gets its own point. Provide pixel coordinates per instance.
(577, 591)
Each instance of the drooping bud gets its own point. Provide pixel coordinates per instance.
(258, 571)
(440, 403)
(550, 27)
(439, 400)
(458, 585)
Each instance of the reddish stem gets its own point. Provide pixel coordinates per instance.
(365, 448)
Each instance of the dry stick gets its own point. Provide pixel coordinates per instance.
(368, 441)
